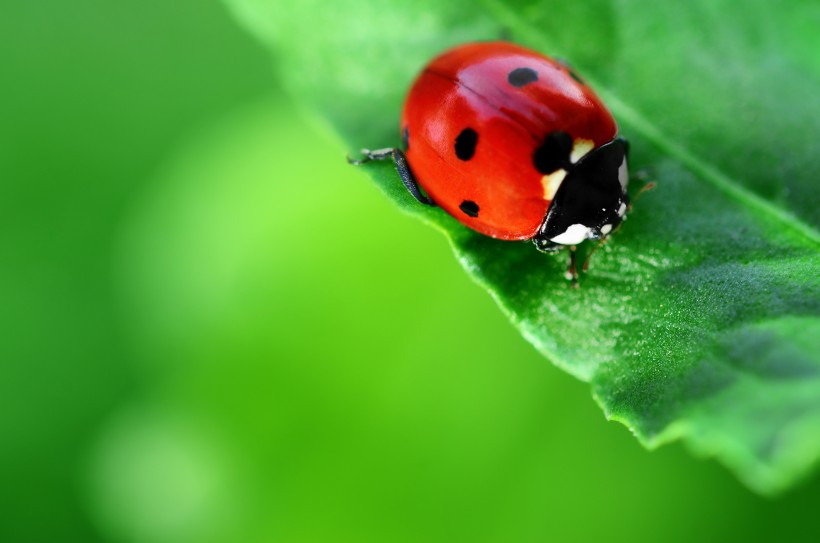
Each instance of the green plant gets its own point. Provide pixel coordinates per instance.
(699, 321)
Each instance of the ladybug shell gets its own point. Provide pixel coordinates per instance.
(480, 125)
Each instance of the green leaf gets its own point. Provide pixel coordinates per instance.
(699, 319)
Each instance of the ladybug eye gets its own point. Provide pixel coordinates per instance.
(469, 208)
(465, 144)
(553, 153)
(521, 76)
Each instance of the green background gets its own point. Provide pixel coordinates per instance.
(213, 329)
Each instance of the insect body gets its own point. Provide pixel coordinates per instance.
(514, 145)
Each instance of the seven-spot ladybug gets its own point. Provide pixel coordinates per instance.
(514, 145)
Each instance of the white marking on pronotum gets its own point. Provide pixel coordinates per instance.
(606, 229)
(551, 183)
(580, 147)
(573, 235)
(623, 174)
(622, 210)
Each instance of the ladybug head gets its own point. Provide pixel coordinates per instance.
(591, 201)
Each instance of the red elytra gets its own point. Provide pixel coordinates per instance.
(511, 99)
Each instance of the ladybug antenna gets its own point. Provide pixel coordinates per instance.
(592, 252)
(646, 188)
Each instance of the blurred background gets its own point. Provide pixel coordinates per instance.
(214, 330)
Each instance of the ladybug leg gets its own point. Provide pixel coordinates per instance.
(407, 178)
(377, 154)
(600, 244)
(401, 166)
(572, 269)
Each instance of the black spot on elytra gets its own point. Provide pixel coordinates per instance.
(465, 144)
(405, 138)
(521, 76)
(469, 207)
(553, 153)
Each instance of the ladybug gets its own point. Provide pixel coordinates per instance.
(514, 145)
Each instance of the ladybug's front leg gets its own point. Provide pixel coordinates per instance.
(547, 246)
(572, 268)
(401, 166)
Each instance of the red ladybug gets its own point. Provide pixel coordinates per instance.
(514, 145)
